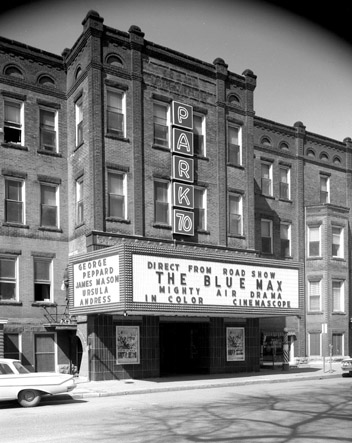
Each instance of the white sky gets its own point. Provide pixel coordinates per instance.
(304, 72)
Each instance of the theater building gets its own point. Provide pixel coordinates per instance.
(198, 237)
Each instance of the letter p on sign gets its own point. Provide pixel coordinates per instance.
(182, 115)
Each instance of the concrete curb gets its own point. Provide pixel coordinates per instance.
(101, 392)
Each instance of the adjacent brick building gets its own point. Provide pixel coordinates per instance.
(154, 224)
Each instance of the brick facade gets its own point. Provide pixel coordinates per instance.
(145, 73)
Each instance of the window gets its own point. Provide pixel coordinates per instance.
(14, 203)
(314, 296)
(324, 189)
(79, 201)
(161, 202)
(13, 71)
(285, 237)
(114, 60)
(13, 124)
(117, 195)
(234, 145)
(45, 80)
(199, 134)
(48, 206)
(267, 236)
(266, 176)
(8, 278)
(116, 113)
(314, 241)
(235, 214)
(265, 141)
(338, 304)
(48, 130)
(200, 222)
(314, 343)
(337, 242)
(12, 346)
(284, 183)
(161, 124)
(42, 279)
(337, 344)
(79, 122)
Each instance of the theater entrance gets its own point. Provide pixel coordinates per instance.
(184, 348)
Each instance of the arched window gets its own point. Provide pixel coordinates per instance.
(310, 153)
(78, 72)
(13, 71)
(114, 60)
(233, 99)
(284, 146)
(324, 157)
(337, 160)
(45, 80)
(266, 141)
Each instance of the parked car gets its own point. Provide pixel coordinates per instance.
(17, 383)
(346, 366)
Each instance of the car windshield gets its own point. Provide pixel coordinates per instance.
(20, 368)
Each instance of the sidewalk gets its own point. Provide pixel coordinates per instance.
(312, 371)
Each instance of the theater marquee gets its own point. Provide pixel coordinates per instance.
(96, 282)
(186, 283)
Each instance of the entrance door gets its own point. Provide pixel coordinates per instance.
(184, 348)
(45, 352)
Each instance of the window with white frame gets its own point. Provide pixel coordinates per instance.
(314, 344)
(285, 238)
(200, 222)
(314, 241)
(267, 178)
(79, 121)
(267, 236)
(42, 279)
(199, 134)
(162, 202)
(314, 295)
(161, 122)
(337, 344)
(117, 195)
(324, 189)
(116, 111)
(79, 201)
(8, 278)
(235, 214)
(48, 130)
(285, 193)
(49, 208)
(234, 145)
(14, 200)
(13, 122)
(337, 242)
(338, 297)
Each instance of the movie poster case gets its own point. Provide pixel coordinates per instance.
(235, 344)
(127, 345)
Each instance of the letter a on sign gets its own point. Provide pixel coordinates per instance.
(183, 142)
(182, 115)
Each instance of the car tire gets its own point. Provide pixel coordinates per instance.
(29, 398)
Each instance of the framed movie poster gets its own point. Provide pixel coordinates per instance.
(235, 344)
(127, 345)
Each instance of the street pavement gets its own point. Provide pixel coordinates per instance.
(311, 371)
